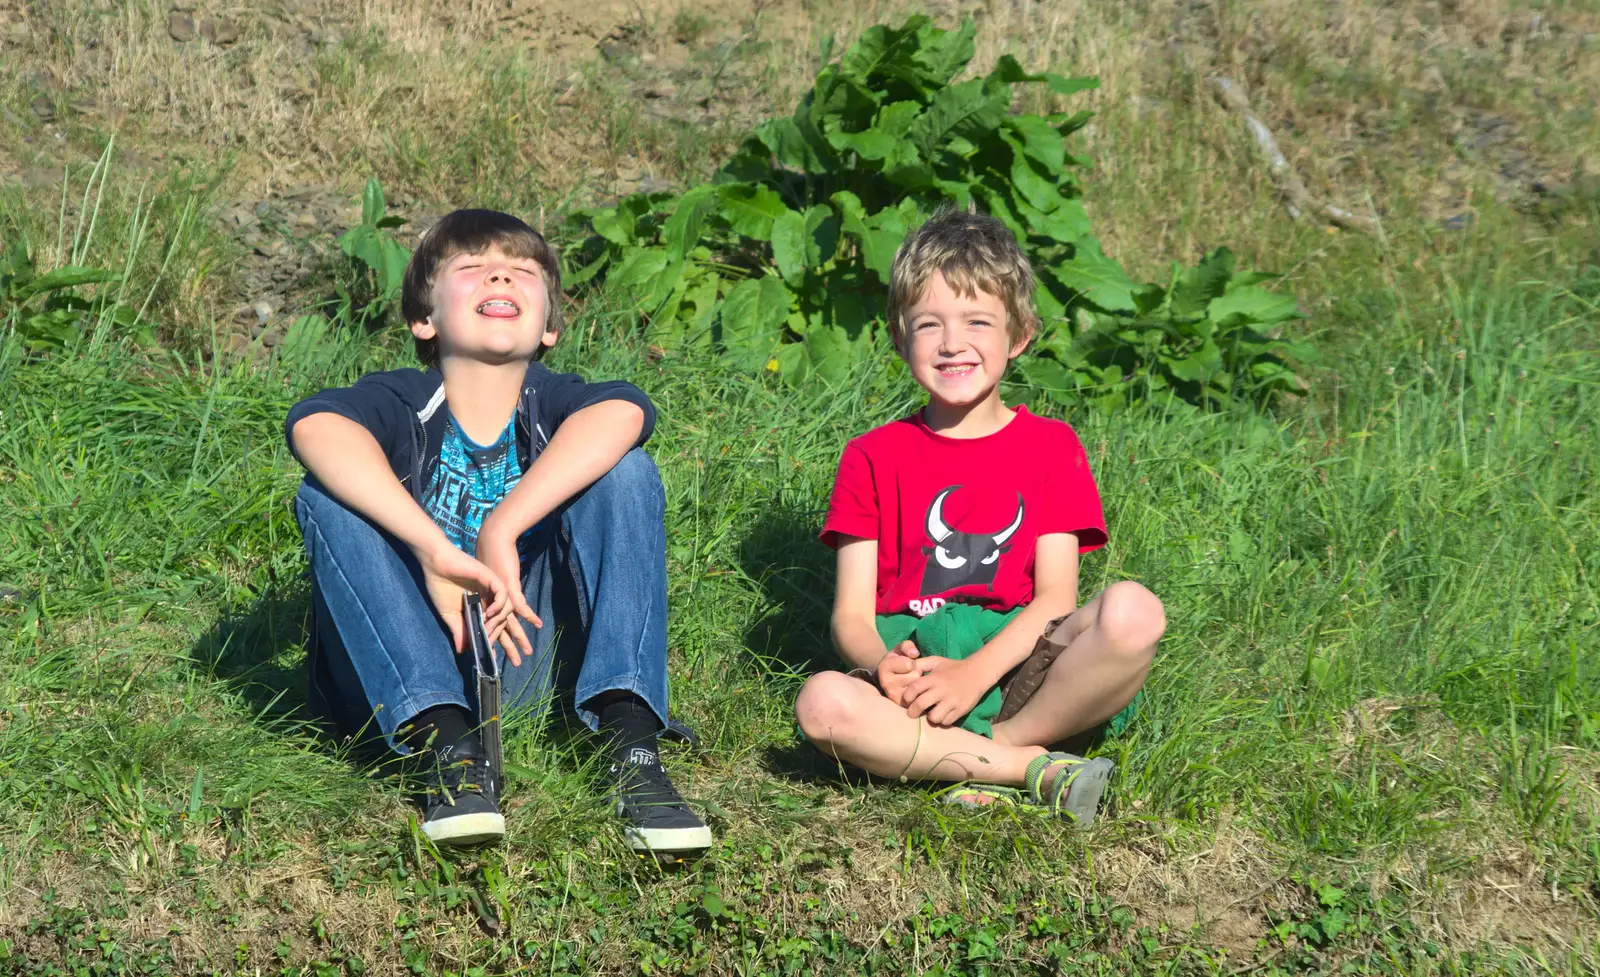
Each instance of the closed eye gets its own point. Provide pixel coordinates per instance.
(990, 558)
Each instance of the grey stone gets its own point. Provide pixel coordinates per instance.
(1457, 222)
(180, 27)
(219, 30)
(264, 309)
(271, 337)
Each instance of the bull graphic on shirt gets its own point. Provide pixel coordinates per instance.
(961, 559)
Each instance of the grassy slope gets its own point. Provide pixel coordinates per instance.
(1374, 718)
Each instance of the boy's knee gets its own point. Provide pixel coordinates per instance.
(1132, 619)
(824, 707)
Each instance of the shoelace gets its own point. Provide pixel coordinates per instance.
(646, 785)
(453, 779)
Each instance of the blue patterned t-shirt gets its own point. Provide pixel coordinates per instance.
(469, 482)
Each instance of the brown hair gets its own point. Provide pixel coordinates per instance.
(474, 232)
(975, 252)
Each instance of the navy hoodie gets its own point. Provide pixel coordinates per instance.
(405, 411)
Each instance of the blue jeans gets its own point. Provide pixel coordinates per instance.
(594, 571)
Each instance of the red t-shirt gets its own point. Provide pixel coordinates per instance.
(957, 518)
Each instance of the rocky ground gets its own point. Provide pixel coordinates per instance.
(691, 76)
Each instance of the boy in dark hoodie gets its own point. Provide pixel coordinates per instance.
(487, 472)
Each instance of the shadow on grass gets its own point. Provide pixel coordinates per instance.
(792, 640)
(795, 572)
(258, 653)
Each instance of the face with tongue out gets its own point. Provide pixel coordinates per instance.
(488, 307)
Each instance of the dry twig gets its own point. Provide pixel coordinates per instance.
(1297, 198)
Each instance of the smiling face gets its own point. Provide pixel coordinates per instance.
(488, 307)
(958, 345)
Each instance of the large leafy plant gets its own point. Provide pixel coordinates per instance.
(781, 261)
(48, 310)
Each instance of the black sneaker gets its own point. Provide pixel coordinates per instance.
(658, 820)
(459, 804)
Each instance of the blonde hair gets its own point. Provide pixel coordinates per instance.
(974, 252)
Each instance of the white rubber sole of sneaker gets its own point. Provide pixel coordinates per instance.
(466, 829)
(668, 841)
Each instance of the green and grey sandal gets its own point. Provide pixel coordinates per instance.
(998, 795)
(1076, 787)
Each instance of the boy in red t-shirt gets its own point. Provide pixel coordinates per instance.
(958, 531)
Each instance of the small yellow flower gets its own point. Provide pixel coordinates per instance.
(772, 365)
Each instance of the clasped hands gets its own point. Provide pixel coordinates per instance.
(945, 689)
(496, 574)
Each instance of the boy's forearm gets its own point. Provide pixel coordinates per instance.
(857, 641)
(347, 460)
(586, 446)
(1016, 641)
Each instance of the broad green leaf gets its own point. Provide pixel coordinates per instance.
(1197, 286)
(880, 235)
(1009, 71)
(1254, 304)
(906, 168)
(879, 44)
(1148, 299)
(851, 212)
(897, 118)
(1046, 374)
(48, 329)
(871, 144)
(833, 354)
(999, 207)
(794, 365)
(1198, 366)
(968, 110)
(752, 320)
(840, 103)
(1039, 191)
(789, 246)
(1040, 140)
(750, 209)
(797, 147)
(801, 241)
(588, 271)
(1068, 223)
(638, 269)
(68, 277)
(1096, 277)
(942, 54)
(19, 269)
(682, 230)
(372, 203)
(1046, 304)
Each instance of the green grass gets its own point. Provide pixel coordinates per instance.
(1369, 742)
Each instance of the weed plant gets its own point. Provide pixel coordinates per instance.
(1377, 693)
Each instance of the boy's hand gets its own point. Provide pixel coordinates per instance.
(897, 670)
(948, 689)
(447, 573)
(497, 550)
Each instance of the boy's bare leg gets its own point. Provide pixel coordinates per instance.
(849, 719)
(1111, 642)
